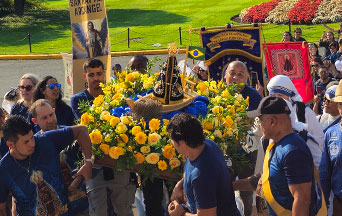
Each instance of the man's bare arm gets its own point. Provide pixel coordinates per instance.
(302, 197)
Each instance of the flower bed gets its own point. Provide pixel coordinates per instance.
(259, 13)
(144, 146)
(304, 11)
(279, 14)
(328, 11)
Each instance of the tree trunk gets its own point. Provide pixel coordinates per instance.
(19, 7)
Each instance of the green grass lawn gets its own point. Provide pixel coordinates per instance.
(150, 22)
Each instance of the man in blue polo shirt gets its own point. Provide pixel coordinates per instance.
(330, 167)
(206, 180)
(288, 180)
(31, 171)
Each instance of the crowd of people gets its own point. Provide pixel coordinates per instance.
(295, 159)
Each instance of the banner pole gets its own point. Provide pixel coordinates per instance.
(185, 63)
(225, 27)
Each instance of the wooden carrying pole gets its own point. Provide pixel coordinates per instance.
(185, 63)
(225, 27)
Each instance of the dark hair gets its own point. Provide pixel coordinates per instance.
(37, 103)
(92, 63)
(340, 41)
(315, 45)
(41, 86)
(298, 29)
(288, 32)
(318, 60)
(334, 44)
(322, 67)
(14, 126)
(186, 127)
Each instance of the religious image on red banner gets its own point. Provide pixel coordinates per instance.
(291, 59)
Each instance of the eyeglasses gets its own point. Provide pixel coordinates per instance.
(325, 100)
(28, 87)
(315, 65)
(298, 32)
(52, 85)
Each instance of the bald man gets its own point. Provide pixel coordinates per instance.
(237, 73)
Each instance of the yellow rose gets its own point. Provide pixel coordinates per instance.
(152, 158)
(126, 120)
(98, 100)
(105, 115)
(154, 124)
(85, 119)
(114, 121)
(174, 162)
(162, 165)
(145, 149)
(123, 138)
(116, 152)
(135, 130)
(139, 157)
(208, 125)
(218, 133)
(217, 109)
(104, 148)
(169, 151)
(201, 86)
(121, 128)
(141, 138)
(135, 75)
(153, 138)
(225, 93)
(95, 137)
(129, 77)
(228, 121)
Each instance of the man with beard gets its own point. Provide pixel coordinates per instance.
(107, 189)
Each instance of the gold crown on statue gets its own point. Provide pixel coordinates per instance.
(172, 49)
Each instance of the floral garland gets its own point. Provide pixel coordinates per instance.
(144, 146)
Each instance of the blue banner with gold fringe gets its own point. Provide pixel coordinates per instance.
(230, 44)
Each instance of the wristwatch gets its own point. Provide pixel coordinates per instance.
(91, 160)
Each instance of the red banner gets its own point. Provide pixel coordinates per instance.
(291, 59)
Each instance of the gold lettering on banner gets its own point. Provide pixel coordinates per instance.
(230, 36)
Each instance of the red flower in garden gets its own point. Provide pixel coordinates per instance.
(259, 13)
(304, 11)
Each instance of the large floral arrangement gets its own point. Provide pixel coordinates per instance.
(144, 146)
(226, 122)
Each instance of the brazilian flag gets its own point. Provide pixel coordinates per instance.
(197, 53)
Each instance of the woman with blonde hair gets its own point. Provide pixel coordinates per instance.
(26, 86)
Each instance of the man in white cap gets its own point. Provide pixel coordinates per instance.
(330, 114)
(330, 167)
(201, 70)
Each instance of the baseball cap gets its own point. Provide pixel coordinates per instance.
(270, 105)
(330, 92)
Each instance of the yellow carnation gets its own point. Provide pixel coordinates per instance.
(135, 130)
(152, 158)
(116, 152)
(98, 100)
(162, 165)
(141, 138)
(121, 128)
(154, 124)
(114, 121)
(174, 162)
(104, 148)
(139, 157)
(85, 119)
(145, 149)
(95, 137)
(153, 138)
(169, 151)
(123, 138)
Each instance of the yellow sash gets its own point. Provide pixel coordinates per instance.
(266, 187)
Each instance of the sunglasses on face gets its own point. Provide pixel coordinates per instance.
(315, 65)
(28, 87)
(326, 100)
(52, 85)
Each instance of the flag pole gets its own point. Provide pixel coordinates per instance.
(185, 63)
(225, 27)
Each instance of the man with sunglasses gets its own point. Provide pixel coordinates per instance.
(107, 189)
(320, 87)
(330, 167)
(330, 114)
(298, 35)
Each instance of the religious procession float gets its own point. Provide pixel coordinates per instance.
(127, 124)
